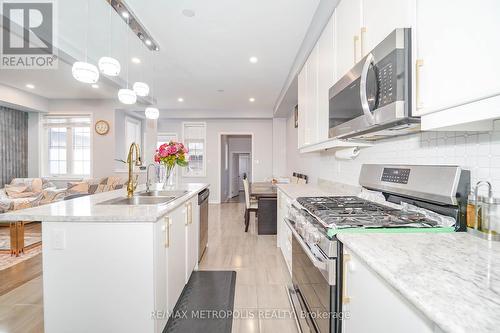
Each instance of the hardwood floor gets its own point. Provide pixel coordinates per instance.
(261, 301)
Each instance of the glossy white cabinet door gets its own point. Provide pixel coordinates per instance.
(326, 79)
(302, 105)
(312, 97)
(176, 261)
(458, 44)
(347, 27)
(381, 17)
(160, 271)
(374, 306)
(192, 234)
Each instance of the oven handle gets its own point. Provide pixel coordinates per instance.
(317, 262)
(362, 88)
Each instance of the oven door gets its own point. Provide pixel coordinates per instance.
(313, 292)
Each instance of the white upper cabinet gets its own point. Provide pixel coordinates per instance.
(347, 35)
(326, 78)
(381, 17)
(302, 103)
(310, 135)
(457, 49)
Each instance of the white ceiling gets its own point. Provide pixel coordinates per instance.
(199, 55)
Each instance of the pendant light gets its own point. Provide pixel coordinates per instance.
(108, 65)
(127, 96)
(152, 112)
(84, 71)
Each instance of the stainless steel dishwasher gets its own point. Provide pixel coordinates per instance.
(203, 203)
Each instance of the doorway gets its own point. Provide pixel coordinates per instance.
(236, 164)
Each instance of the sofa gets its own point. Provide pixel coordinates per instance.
(31, 192)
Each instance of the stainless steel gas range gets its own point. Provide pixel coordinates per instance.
(399, 198)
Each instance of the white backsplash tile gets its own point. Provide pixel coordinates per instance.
(477, 152)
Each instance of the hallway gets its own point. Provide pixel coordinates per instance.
(261, 299)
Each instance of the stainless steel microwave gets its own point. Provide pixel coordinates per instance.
(373, 100)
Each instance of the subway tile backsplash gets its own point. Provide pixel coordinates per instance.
(477, 151)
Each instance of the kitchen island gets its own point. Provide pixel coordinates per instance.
(440, 282)
(115, 267)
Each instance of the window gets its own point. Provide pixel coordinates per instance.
(67, 149)
(133, 132)
(195, 140)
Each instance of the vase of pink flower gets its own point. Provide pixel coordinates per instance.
(169, 155)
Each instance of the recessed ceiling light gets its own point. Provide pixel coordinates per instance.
(125, 14)
(253, 60)
(95, 86)
(180, 99)
(136, 60)
(251, 99)
(148, 42)
(30, 86)
(188, 12)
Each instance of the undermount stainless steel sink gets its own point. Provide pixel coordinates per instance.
(140, 200)
(161, 193)
(147, 198)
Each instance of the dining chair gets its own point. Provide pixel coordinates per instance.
(295, 178)
(250, 205)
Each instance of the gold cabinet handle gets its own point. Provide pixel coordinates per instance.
(168, 222)
(418, 64)
(355, 48)
(362, 41)
(345, 299)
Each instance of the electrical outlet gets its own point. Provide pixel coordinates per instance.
(58, 239)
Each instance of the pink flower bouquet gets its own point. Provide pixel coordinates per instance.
(171, 154)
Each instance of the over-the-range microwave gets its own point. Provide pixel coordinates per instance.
(373, 100)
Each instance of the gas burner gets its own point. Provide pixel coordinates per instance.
(347, 212)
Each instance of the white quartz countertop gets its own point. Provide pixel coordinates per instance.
(87, 209)
(295, 191)
(453, 278)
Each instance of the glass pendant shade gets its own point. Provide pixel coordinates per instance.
(127, 96)
(85, 72)
(152, 113)
(141, 89)
(109, 66)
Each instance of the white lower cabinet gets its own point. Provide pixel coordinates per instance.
(176, 238)
(374, 306)
(192, 235)
(284, 234)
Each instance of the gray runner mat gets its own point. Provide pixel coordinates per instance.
(205, 305)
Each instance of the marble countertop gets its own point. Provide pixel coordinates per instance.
(295, 191)
(87, 209)
(453, 278)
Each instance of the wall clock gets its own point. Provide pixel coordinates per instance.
(102, 127)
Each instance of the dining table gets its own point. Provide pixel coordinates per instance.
(266, 195)
(263, 189)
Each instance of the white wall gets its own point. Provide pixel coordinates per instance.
(477, 152)
(262, 130)
(22, 100)
(279, 144)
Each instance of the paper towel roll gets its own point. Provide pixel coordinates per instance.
(347, 154)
